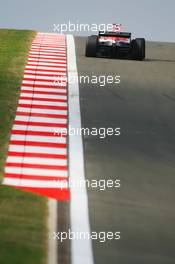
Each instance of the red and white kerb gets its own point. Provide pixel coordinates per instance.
(37, 158)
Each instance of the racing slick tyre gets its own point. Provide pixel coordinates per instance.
(91, 46)
(138, 49)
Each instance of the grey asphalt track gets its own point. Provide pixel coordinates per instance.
(143, 157)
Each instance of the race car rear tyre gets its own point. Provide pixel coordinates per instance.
(91, 46)
(138, 49)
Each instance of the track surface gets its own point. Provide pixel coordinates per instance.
(143, 157)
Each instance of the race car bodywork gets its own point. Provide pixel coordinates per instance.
(115, 45)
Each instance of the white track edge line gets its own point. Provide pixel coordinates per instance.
(52, 227)
(81, 252)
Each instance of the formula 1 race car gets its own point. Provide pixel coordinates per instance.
(113, 44)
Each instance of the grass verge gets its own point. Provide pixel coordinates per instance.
(23, 229)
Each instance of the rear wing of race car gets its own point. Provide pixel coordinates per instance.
(115, 43)
(115, 34)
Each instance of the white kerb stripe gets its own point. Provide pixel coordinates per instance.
(43, 150)
(38, 129)
(45, 161)
(52, 78)
(36, 72)
(41, 111)
(28, 138)
(29, 102)
(46, 96)
(37, 172)
(36, 90)
(41, 119)
(35, 183)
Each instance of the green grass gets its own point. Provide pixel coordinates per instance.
(23, 229)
